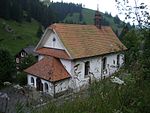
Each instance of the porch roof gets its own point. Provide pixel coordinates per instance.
(58, 53)
(49, 68)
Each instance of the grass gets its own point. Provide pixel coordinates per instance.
(23, 34)
(74, 18)
(108, 97)
(88, 16)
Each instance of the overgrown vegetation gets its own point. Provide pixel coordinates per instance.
(7, 67)
(108, 97)
(21, 76)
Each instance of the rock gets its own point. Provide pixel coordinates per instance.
(8, 29)
(18, 86)
(4, 95)
(117, 80)
(7, 83)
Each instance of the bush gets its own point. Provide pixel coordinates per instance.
(21, 78)
(7, 66)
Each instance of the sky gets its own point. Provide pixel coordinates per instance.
(104, 5)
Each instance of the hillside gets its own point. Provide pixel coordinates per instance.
(88, 18)
(14, 36)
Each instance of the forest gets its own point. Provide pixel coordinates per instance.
(20, 10)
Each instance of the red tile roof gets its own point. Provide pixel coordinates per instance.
(87, 40)
(53, 52)
(49, 68)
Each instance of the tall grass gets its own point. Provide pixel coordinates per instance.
(108, 97)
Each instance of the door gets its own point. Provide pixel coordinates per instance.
(39, 84)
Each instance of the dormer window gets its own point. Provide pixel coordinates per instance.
(54, 41)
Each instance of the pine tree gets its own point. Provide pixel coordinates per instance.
(39, 32)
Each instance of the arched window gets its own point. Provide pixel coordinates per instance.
(32, 81)
(46, 87)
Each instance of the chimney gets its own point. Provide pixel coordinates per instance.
(97, 18)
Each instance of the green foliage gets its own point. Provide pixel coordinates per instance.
(108, 97)
(146, 54)
(63, 9)
(7, 66)
(21, 78)
(20, 107)
(25, 30)
(16, 11)
(132, 42)
(27, 61)
(117, 19)
(39, 32)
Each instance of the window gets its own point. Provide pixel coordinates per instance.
(87, 67)
(113, 61)
(32, 81)
(22, 54)
(54, 41)
(17, 60)
(46, 87)
(104, 63)
(118, 60)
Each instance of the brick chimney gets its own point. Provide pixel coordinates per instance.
(97, 18)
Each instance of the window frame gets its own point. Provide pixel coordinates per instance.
(86, 68)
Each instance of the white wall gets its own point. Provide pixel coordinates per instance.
(111, 64)
(40, 57)
(67, 65)
(50, 87)
(78, 77)
(53, 44)
(61, 86)
(122, 59)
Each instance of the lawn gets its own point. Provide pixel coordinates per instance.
(23, 34)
